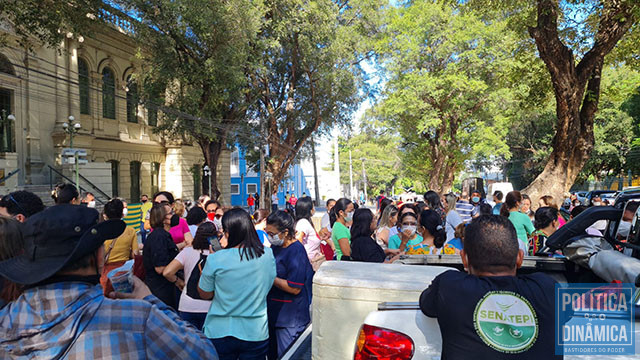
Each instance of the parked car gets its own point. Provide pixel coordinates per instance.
(591, 194)
(582, 196)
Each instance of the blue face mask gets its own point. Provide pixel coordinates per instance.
(475, 199)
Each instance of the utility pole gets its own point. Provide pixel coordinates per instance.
(315, 171)
(263, 199)
(336, 166)
(364, 181)
(350, 176)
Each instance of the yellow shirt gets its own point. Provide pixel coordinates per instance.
(125, 243)
(145, 209)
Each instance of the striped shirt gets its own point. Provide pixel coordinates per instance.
(73, 320)
(465, 209)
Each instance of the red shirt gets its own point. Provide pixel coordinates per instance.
(251, 201)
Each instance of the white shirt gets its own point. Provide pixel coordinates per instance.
(189, 257)
(325, 222)
(310, 240)
(193, 229)
(274, 199)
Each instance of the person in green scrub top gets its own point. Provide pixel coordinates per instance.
(341, 216)
(522, 222)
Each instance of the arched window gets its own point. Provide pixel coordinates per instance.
(132, 100)
(83, 84)
(115, 178)
(108, 94)
(134, 167)
(5, 66)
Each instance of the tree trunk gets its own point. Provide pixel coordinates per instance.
(211, 150)
(577, 91)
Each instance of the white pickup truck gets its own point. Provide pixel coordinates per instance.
(370, 311)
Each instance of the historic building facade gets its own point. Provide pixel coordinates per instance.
(90, 79)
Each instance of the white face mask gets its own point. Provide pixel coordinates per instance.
(218, 223)
(275, 240)
(125, 211)
(348, 216)
(597, 203)
(91, 204)
(411, 229)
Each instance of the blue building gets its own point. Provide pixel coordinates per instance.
(245, 181)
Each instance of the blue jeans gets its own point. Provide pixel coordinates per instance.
(274, 208)
(195, 319)
(231, 348)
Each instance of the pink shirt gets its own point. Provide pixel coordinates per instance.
(177, 232)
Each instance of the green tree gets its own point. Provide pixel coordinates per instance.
(199, 54)
(310, 77)
(379, 156)
(445, 93)
(572, 39)
(50, 21)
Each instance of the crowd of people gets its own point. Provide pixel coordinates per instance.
(58, 300)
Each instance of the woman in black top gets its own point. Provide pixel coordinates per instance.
(363, 246)
(158, 252)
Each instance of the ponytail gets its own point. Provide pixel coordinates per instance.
(440, 237)
(511, 201)
(430, 220)
(341, 204)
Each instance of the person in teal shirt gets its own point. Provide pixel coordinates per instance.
(407, 236)
(522, 222)
(341, 215)
(238, 279)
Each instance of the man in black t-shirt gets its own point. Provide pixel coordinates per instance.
(490, 313)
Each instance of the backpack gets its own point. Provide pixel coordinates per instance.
(194, 279)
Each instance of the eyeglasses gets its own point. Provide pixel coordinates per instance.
(10, 197)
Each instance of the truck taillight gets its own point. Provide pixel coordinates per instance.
(382, 344)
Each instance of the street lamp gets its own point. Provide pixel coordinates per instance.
(207, 172)
(6, 130)
(72, 128)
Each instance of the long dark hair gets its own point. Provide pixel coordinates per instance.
(432, 199)
(282, 221)
(361, 226)
(341, 205)
(303, 209)
(204, 232)
(511, 201)
(545, 216)
(430, 220)
(166, 194)
(239, 227)
(384, 203)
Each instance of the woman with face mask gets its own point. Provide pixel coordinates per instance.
(159, 251)
(121, 249)
(433, 234)
(289, 299)
(408, 225)
(525, 207)
(546, 224)
(363, 246)
(341, 216)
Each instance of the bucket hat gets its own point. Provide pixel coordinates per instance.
(56, 237)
